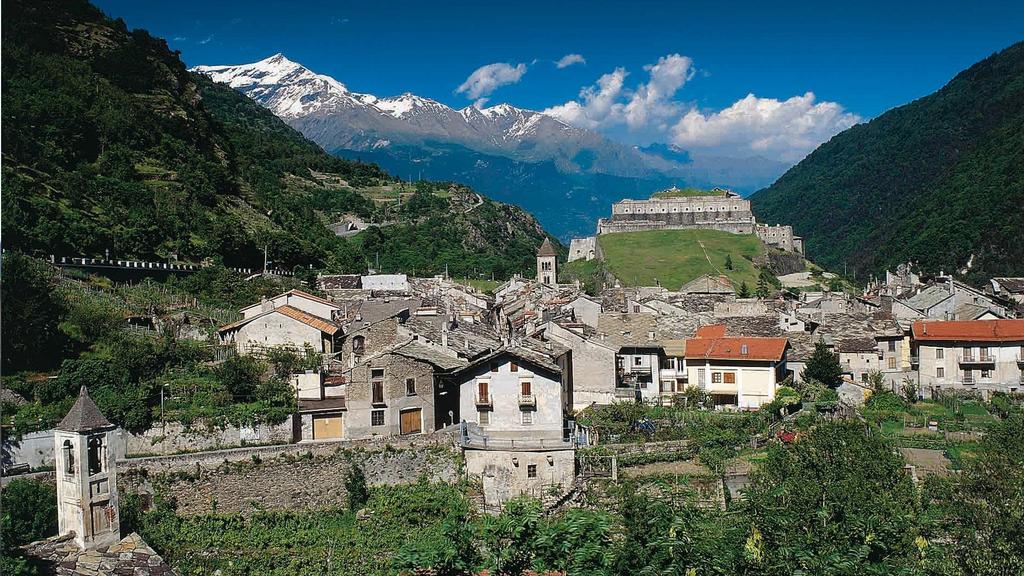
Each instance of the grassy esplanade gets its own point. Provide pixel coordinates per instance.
(675, 257)
(687, 192)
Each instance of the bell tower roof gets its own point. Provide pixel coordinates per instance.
(84, 416)
(547, 249)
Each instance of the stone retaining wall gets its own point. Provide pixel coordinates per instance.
(295, 477)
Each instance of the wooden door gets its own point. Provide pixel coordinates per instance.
(327, 427)
(410, 422)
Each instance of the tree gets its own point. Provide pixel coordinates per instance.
(31, 312)
(510, 538)
(835, 502)
(823, 366)
(980, 510)
(728, 262)
(29, 512)
(744, 290)
(355, 485)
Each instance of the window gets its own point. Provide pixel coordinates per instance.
(636, 309)
(513, 367)
(378, 392)
(716, 377)
(986, 374)
(376, 418)
(892, 362)
(863, 376)
(968, 376)
(531, 470)
(69, 457)
(481, 392)
(377, 373)
(525, 387)
(700, 377)
(483, 417)
(638, 360)
(95, 455)
(527, 417)
(729, 377)
(410, 386)
(358, 345)
(940, 353)
(940, 372)
(985, 354)
(892, 345)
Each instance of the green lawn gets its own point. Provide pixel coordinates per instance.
(674, 257)
(686, 192)
(481, 284)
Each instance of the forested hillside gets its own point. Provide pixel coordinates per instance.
(939, 181)
(110, 144)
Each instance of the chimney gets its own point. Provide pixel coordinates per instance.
(266, 305)
(444, 334)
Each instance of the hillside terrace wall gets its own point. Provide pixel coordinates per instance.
(293, 478)
(36, 448)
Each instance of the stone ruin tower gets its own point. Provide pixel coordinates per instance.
(86, 476)
(547, 263)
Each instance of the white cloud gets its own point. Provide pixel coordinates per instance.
(645, 109)
(786, 130)
(651, 105)
(206, 40)
(569, 60)
(600, 104)
(487, 79)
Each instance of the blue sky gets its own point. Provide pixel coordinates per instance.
(863, 57)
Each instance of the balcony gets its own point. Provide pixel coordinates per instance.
(484, 401)
(626, 392)
(1020, 360)
(528, 400)
(980, 359)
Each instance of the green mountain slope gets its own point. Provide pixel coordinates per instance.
(110, 144)
(939, 181)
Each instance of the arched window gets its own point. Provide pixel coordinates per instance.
(69, 457)
(95, 455)
(358, 345)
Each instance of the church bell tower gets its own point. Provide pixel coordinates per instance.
(547, 263)
(86, 476)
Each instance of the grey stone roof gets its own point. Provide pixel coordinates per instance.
(628, 330)
(430, 354)
(1011, 285)
(61, 556)
(927, 298)
(547, 249)
(84, 415)
(708, 284)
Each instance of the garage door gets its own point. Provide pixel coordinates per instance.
(327, 427)
(411, 422)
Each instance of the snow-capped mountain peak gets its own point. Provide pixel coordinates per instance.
(337, 118)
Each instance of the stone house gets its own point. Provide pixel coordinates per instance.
(296, 299)
(634, 337)
(592, 366)
(583, 248)
(513, 392)
(281, 327)
(513, 404)
(395, 393)
(737, 372)
(1008, 288)
(981, 356)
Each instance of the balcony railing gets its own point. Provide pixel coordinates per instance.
(980, 359)
(484, 401)
(527, 400)
(625, 392)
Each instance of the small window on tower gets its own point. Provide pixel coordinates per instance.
(69, 457)
(95, 455)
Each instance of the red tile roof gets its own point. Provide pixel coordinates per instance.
(969, 330)
(711, 331)
(764, 349)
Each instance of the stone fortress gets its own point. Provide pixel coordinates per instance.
(674, 209)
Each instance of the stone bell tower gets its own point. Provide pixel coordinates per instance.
(547, 263)
(86, 476)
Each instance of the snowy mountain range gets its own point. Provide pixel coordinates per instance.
(540, 158)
